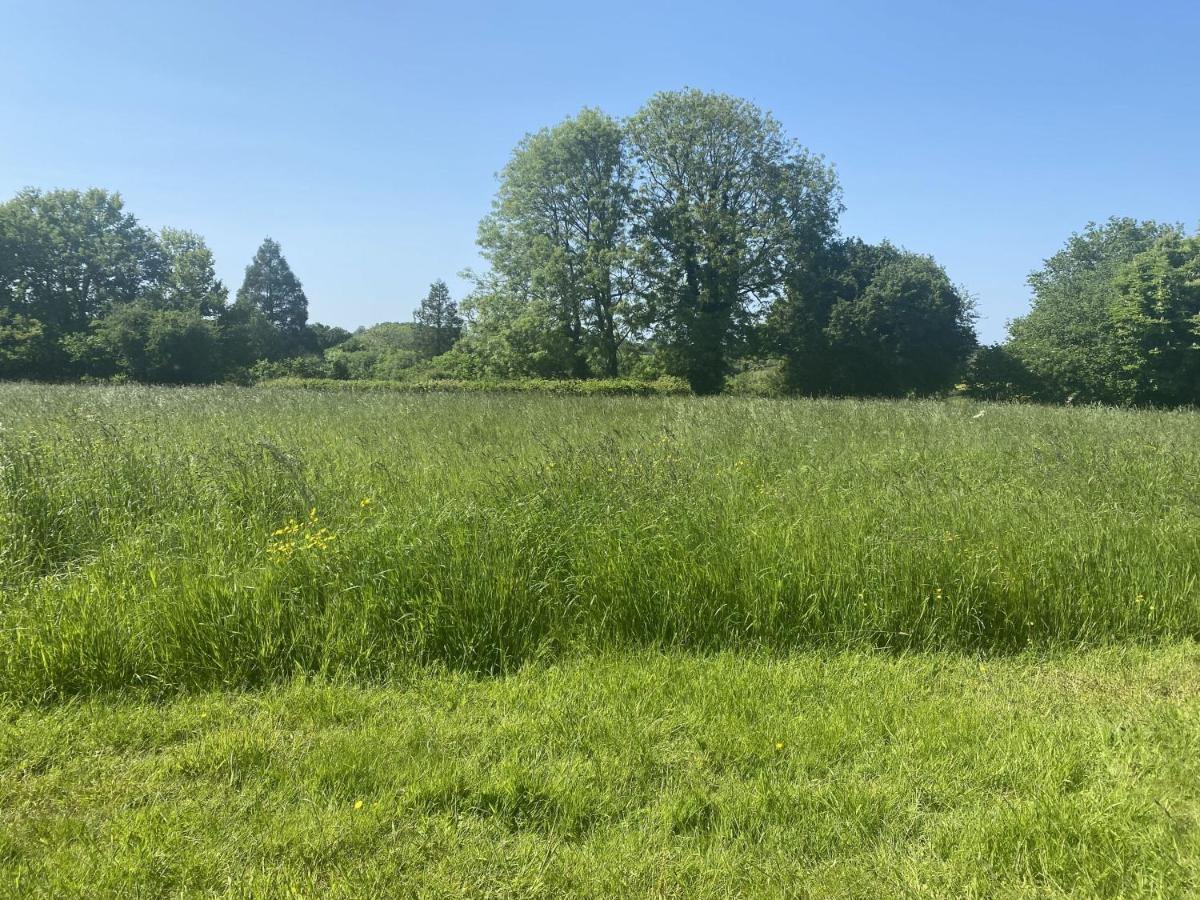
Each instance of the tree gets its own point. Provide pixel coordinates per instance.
(438, 324)
(1069, 342)
(188, 281)
(271, 287)
(797, 324)
(908, 331)
(67, 257)
(993, 373)
(25, 349)
(723, 200)
(557, 236)
(161, 346)
(1156, 317)
(383, 351)
(513, 334)
(246, 336)
(322, 337)
(872, 320)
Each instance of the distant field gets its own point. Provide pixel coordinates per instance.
(189, 539)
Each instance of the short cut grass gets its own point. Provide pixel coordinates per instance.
(649, 774)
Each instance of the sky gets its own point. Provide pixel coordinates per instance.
(365, 137)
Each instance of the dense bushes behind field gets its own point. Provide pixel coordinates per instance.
(191, 538)
(665, 386)
(1115, 319)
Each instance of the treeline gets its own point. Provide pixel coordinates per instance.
(688, 239)
(693, 240)
(87, 292)
(1115, 319)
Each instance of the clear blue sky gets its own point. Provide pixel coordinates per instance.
(365, 136)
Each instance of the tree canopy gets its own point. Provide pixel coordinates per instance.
(1113, 321)
(558, 240)
(273, 289)
(437, 322)
(873, 320)
(1156, 316)
(1068, 342)
(724, 202)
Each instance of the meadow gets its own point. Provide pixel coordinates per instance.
(167, 539)
(270, 641)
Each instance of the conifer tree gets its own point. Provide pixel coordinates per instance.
(272, 288)
(438, 322)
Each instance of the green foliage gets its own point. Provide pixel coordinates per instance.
(557, 240)
(162, 346)
(298, 367)
(514, 336)
(724, 198)
(437, 325)
(321, 337)
(1156, 317)
(247, 336)
(72, 256)
(688, 240)
(1069, 341)
(388, 350)
(760, 379)
(908, 332)
(26, 350)
(994, 373)
(272, 288)
(189, 282)
(868, 320)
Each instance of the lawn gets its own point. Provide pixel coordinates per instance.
(651, 774)
(282, 642)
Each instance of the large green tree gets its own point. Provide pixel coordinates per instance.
(1156, 316)
(871, 319)
(188, 280)
(437, 322)
(724, 201)
(1069, 342)
(67, 257)
(273, 289)
(557, 237)
(909, 331)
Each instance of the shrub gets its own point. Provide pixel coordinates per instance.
(666, 386)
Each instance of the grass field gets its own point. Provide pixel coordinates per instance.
(228, 537)
(600, 645)
(822, 775)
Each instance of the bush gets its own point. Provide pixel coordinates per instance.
(667, 386)
(760, 380)
(995, 374)
(296, 367)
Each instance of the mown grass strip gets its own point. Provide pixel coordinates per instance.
(817, 774)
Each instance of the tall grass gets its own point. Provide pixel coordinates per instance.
(146, 536)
